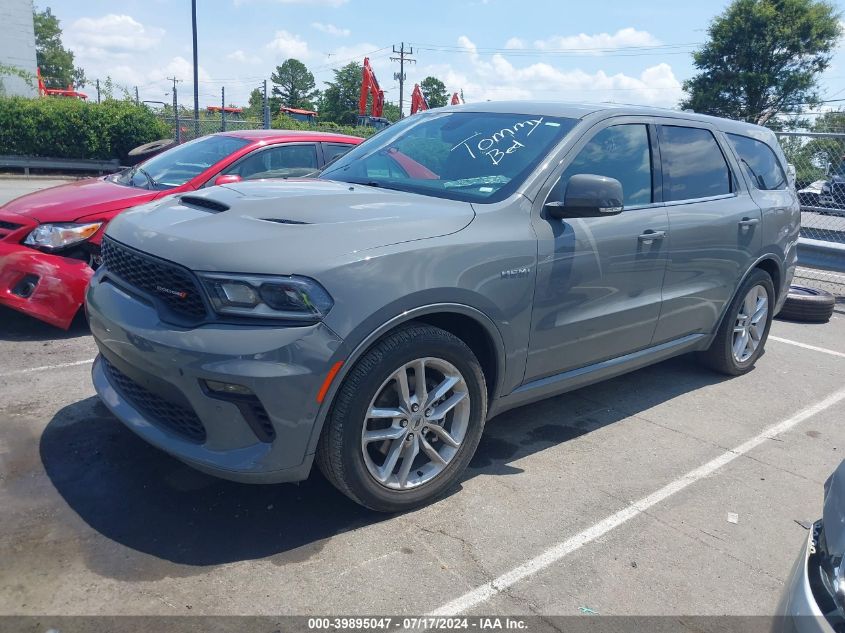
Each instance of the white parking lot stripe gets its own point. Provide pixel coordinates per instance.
(46, 367)
(823, 350)
(559, 551)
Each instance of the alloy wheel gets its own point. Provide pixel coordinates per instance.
(415, 423)
(750, 323)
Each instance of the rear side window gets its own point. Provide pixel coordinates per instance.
(759, 162)
(693, 164)
(334, 150)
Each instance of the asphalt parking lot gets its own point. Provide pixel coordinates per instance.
(613, 499)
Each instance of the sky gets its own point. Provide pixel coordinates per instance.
(610, 50)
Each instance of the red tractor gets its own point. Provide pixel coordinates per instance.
(44, 91)
(370, 88)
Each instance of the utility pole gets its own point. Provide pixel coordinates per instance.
(176, 109)
(137, 98)
(400, 76)
(196, 71)
(266, 109)
(98, 91)
(222, 109)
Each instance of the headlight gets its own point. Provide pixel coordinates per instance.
(292, 298)
(55, 236)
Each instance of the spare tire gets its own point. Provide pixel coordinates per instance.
(811, 305)
(147, 150)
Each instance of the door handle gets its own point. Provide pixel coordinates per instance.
(650, 236)
(749, 221)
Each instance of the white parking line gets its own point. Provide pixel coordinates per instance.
(46, 367)
(823, 350)
(559, 551)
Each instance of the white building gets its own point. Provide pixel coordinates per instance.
(17, 46)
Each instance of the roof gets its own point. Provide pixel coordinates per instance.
(275, 135)
(583, 110)
(297, 111)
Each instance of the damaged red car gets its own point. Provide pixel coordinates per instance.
(50, 239)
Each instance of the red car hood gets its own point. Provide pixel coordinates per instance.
(75, 200)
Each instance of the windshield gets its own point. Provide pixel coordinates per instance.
(177, 166)
(470, 156)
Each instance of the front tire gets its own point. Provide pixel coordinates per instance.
(393, 442)
(745, 327)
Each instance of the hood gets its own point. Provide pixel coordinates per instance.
(814, 187)
(283, 227)
(833, 515)
(75, 200)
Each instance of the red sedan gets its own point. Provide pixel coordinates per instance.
(50, 239)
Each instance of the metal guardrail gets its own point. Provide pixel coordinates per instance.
(59, 164)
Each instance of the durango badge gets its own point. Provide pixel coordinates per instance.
(176, 293)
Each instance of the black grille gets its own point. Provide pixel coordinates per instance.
(173, 285)
(182, 421)
(9, 226)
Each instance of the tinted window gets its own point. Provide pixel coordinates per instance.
(620, 152)
(693, 164)
(759, 162)
(284, 161)
(471, 156)
(333, 150)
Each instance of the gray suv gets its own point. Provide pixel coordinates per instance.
(460, 263)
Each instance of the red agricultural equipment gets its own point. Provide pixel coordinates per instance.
(371, 89)
(44, 91)
(456, 99)
(418, 100)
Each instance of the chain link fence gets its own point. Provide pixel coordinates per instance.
(819, 162)
(185, 129)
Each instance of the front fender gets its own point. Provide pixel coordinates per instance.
(349, 353)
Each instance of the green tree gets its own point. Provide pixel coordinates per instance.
(294, 84)
(54, 60)
(339, 101)
(763, 58)
(391, 112)
(254, 109)
(435, 92)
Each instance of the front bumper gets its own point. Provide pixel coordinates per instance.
(798, 611)
(284, 368)
(59, 283)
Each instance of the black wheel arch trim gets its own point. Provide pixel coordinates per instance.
(406, 316)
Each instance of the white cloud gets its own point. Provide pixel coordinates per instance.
(599, 41)
(498, 78)
(111, 35)
(180, 68)
(243, 58)
(331, 29)
(514, 43)
(286, 45)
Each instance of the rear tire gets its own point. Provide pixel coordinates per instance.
(810, 305)
(745, 327)
(364, 455)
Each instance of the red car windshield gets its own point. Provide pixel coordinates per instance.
(178, 165)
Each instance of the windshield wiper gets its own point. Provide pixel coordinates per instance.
(146, 175)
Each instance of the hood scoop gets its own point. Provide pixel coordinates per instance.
(206, 204)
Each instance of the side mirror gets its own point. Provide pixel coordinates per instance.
(588, 196)
(227, 179)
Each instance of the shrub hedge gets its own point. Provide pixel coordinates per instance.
(68, 128)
